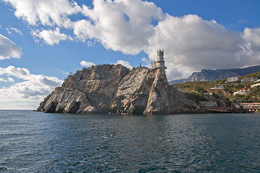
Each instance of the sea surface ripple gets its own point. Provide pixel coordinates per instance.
(39, 142)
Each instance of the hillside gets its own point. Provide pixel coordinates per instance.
(212, 75)
(230, 91)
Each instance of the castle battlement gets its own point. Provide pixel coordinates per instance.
(160, 63)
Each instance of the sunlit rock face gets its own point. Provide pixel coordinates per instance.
(116, 89)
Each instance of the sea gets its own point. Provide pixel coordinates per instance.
(39, 142)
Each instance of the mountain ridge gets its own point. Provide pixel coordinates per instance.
(212, 75)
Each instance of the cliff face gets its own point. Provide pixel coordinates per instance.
(116, 89)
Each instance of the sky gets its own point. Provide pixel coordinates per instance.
(42, 41)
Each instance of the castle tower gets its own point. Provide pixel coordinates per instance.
(160, 54)
(160, 63)
(160, 60)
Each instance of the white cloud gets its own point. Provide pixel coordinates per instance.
(119, 25)
(252, 36)
(251, 47)
(124, 63)
(91, 43)
(86, 64)
(47, 12)
(51, 37)
(8, 49)
(21, 73)
(11, 30)
(2, 80)
(33, 88)
(132, 26)
(146, 62)
(10, 79)
(191, 43)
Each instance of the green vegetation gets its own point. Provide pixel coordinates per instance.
(198, 86)
(256, 75)
(199, 90)
(252, 96)
(196, 97)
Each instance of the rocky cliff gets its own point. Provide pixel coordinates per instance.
(116, 89)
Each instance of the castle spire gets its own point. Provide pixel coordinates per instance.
(160, 54)
(160, 63)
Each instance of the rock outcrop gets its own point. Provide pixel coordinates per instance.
(116, 89)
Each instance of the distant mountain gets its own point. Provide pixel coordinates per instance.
(211, 75)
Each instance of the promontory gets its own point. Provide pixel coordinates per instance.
(116, 89)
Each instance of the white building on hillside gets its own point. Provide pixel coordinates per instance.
(243, 91)
(232, 79)
(255, 85)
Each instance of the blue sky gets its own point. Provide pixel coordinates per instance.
(40, 48)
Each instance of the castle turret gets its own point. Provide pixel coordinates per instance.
(160, 60)
(160, 63)
(160, 54)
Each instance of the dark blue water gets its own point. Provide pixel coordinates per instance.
(38, 142)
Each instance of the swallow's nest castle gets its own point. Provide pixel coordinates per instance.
(160, 63)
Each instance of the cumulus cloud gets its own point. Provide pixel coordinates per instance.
(252, 36)
(47, 12)
(91, 43)
(119, 25)
(2, 80)
(32, 88)
(51, 37)
(8, 49)
(132, 26)
(124, 63)
(9, 79)
(21, 73)
(191, 43)
(86, 64)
